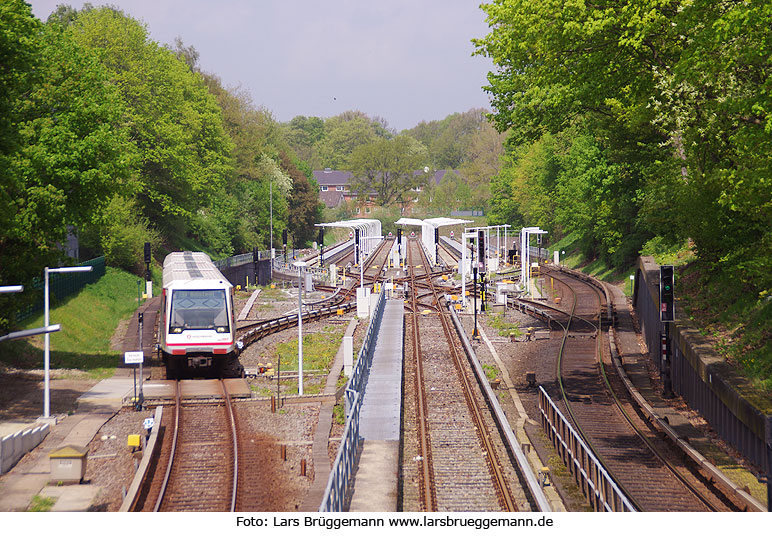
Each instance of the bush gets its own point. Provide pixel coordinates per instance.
(124, 234)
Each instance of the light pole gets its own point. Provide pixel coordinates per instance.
(11, 288)
(47, 353)
(300, 265)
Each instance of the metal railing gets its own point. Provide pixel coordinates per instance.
(336, 492)
(589, 474)
(358, 380)
(339, 482)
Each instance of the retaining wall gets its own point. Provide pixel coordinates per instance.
(734, 409)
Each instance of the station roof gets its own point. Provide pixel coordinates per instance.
(434, 222)
(360, 223)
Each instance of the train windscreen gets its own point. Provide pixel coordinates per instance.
(198, 309)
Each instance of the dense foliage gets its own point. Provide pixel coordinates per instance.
(644, 124)
(122, 140)
(638, 119)
(387, 165)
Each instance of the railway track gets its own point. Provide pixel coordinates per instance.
(197, 468)
(459, 465)
(199, 457)
(647, 468)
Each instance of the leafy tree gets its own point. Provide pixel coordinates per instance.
(72, 154)
(385, 170)
(303, 133)
(304, 207)
(485, 149)
(452, 193)
(449, 139)
(173, 119)
(342, 137)
(124, 234)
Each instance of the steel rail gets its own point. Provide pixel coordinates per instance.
(429, 495)
(235, 437)
(700, 496)
(165, 483)
(569, 406)
(618, 404)
(494, 464)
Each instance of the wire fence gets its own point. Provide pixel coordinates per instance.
(63, 285)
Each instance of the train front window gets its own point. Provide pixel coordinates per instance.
(198, 309)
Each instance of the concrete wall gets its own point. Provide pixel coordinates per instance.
(711, 386)
(14, 446)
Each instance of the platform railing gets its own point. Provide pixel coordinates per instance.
(589, 474)
(358, 379)
(337, 490)
(339, 482)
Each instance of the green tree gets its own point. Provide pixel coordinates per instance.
(173, 119)
(72, 153)
(386, 170)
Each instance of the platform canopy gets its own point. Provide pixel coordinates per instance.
(369, 231)
(442, 222)
(427, 231)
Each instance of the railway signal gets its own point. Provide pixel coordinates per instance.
(321, 247)
(666, 295)
(666, 315)
(481, 250)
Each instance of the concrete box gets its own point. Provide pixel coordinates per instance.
(68, 464)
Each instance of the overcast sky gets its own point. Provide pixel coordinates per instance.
(402, 60)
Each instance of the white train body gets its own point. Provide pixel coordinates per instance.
(198, 326)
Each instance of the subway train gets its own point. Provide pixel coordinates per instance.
(198, 328)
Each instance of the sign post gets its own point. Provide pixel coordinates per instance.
(134, 358)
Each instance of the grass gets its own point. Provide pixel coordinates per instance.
(41, 504)
(491, 372)
(319, 351)
(505, 329)
(738, 322)
(88, 322)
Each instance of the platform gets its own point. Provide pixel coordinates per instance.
(163, 390)
(375, 480)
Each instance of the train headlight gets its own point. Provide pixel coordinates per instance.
(221, 329)
(176, 330)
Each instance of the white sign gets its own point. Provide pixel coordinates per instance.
(148, 423)
(451, 234)
(133, 358)
(350, 234)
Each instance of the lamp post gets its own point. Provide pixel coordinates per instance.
(300, 265)
(11, 288)
(47, 353)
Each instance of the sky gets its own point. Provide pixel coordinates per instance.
(405, 61)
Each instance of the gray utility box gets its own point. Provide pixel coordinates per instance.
(68, 464)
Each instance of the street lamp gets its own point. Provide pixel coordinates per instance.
(11, 288)
(47, 358)
(300, 265)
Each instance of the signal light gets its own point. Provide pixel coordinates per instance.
(666, 294)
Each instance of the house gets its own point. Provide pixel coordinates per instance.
(334, 186)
